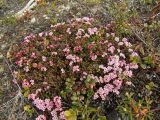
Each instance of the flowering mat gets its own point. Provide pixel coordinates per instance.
(81, 69)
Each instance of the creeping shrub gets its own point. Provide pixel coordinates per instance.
(72, 63)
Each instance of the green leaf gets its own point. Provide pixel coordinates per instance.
(143, 66)
(70, 114)
(102, 118)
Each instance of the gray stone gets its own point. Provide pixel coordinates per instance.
(1, 57)
(4, 46)
(1, 68)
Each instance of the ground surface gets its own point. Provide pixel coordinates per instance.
(11, 101)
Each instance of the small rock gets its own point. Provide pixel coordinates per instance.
(46, 17)
(1, 36)
(1, 57)
(3, 46)
(1, 69)
(33, 20)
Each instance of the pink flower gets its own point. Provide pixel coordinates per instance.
(113, 34)
(40, 104)
(54, 115)
(62, 116)
(93, 57)
(14, 81)
(41, 117)
(128, 73)
(86, 18)
(79, 33)
(130, 50)
(77, 48)
(120, 43)
(129, 83)
(134, 54)
(57, 102)
(92, 31)
(117, 39)
(33, 55)
(124, 40)
(32, 96)
(68, 30)
(44, 58)
(26, 69)
(86, 35)
(50, 33)
(133, 66)
(43, 69)
(62, 71)
(50, 63)
(118, 83)
(76, 68)
(90, 46)
(41, 34)
(49, 104)
(54, 53)
(38, 90)
(66, 50)
(111, 49)
(25, 83)
(122, 55)
(32, 82)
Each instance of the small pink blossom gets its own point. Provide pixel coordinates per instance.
(41, 34)
(33, 55)
(40, 104)
(14, 81)
(76, 68)
(129, 83)
(26, 69)
(50, 63)
(93, 57)
(43, 69)
(25, 83)
(77, 48)
(54, 115)
(122, 55)
(49, 104)
(44, 58)
(57, 102)
(92, 31)
(66, 50)
(54, 53)
(86, 18)
(134, 54)
(32, 96)
(32, 82)
(50, 33)
(41, 117)
(68, 30)
(120, 43)
(38, 91)
(62, 71)
(113, 34)
(90, 46)
(117, 39)
(133, 66)
(62, 116)
(128, 73)
(111, 49)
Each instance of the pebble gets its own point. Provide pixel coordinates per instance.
(1, 68)
(1, 57)
(33, 20)
(1, 35)
(4, 46)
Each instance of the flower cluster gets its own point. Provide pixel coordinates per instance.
(73, 50)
